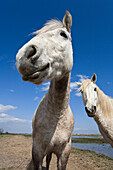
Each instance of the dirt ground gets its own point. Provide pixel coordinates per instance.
(15, 154)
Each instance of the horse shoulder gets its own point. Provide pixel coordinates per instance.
(106, 128)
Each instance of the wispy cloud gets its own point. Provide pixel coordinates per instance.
(74, 86)
(36, 98)
(83, 130)
(15, 125)
(5, 118)
(11, 90)
(78, 94)
(12, 64)
(77, 129)
(109, 82)
(45, 86)
(5, 108)
(81, 77)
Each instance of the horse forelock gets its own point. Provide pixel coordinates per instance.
(49, 26)
(84, 85)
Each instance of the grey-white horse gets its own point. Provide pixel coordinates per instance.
(49, 56)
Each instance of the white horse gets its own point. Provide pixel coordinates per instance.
(49, 56)
(99, 106)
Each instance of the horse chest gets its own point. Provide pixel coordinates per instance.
(61, 134)
(60, 137)
(54, 131)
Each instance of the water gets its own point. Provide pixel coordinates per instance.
(92, 137)
(105, 149)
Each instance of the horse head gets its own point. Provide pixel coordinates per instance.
(49, 54)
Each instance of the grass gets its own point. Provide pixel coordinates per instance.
(1, 136)
(74, 140)
(95, 135)
(26, 134)
(90, 154)
(88, 140)
(7, 133)
(100, 160)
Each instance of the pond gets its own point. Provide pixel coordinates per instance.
(104, 148)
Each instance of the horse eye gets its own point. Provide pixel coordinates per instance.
(81, 91)
(63, 34)
(95, 89)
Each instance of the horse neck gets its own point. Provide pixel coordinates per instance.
(59, 94)
(105, 105)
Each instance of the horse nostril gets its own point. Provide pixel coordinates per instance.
(95, 108)
(86, 109)
(31, 51)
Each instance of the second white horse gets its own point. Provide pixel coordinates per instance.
(99, 106)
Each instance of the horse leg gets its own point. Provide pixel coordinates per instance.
(37, 159)
(63, 158)
(48, 159)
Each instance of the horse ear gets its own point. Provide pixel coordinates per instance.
(78, 83)
(67, 21)
(94, 78)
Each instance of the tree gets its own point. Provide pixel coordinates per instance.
(1, 130)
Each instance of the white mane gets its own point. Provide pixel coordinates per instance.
(106, 103)
(49, 26)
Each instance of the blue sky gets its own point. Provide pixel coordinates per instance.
(92, 38)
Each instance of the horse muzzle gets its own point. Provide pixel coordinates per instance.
(91, 112)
